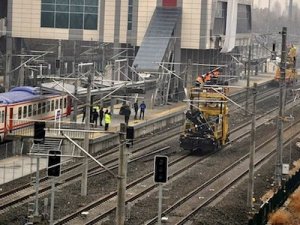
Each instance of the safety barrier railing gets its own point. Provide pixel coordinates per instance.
(278, 199)
(54, 129)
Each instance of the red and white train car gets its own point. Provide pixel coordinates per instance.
(22, 104)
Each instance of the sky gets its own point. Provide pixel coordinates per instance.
(265, 3)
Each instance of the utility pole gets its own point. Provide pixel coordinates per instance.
(252, 151)
(75, 101)
(122, 177)
(8, 61)
(86, 135)
(58, 66)
(22, 69)
(278, 166)
(248, 78)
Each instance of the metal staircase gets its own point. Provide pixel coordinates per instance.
(49, 144)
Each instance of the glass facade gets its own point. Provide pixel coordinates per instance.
(73, 14)
(130, 9)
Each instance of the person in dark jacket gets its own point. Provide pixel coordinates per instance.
(95, 116)
(136, 109)
(101, 115)
(83, 114)
(142, 108)
(125, 110)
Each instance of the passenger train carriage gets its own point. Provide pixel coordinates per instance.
(22, 104)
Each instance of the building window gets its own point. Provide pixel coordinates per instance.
(29, 110)
(73, 14)
(19, 112)
(24, 111)
(130, 10)
(220, 18)
(243, 19)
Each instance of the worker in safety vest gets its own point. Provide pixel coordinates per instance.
(199, 80)
(293, 53)
(207, 77)
(107, 119)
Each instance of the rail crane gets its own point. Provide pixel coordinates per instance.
(206, 125)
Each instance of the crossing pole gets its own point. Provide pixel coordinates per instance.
(86, 135)
(278, 166)
(252, 151)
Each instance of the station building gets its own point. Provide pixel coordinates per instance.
(159, 30)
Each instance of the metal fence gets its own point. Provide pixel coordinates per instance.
(278, 199)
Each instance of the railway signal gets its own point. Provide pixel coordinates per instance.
(161, 169)
(129, 136)
(54, 160)
(160, 176)
(39, 132)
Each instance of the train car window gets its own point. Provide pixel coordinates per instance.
(25, 111)
(56, 104)
(20, 113)
(3, 116)
(29, 110)
(52, 105)
(39, 108)
(65, 102)
(48, 106)
(43, 107)
(60, 103)
(34, 109)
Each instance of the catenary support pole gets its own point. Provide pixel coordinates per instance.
(75, 101)
(160, 196)
(37, 183)
(86, 135)
(58, 70)
(52, 201)
(248, 79)
(122, 177)
(22, 68)
(278, 166)
(252, 151)
(8, 62)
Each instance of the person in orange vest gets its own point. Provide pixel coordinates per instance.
(207, 77)
(199, 80)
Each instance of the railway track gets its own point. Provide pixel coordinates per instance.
(103, 207)
(234, 136)
(191, 203)
(73, 173)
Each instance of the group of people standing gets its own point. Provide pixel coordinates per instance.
(125, 110)
(106, 116)
(101, 115)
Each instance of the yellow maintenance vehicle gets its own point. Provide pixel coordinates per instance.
(290, 71)
(206, 126)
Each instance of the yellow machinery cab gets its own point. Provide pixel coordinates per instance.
(206, 125)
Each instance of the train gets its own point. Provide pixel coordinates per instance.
(206, 127)
(22, 105)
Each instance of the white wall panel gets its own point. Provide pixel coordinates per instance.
(145, 12)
